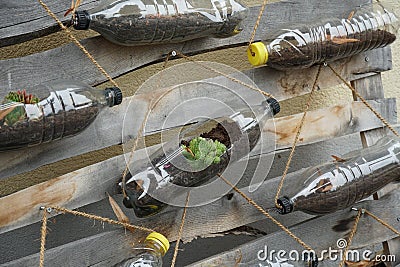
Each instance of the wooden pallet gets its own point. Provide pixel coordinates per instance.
(330, 130)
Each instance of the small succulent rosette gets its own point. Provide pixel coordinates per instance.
(17, 107)
(202, 152)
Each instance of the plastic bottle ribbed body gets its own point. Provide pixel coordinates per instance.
(338, 185)
(153, 185)
(136, 22)
(149, 255)
(69, 108)
(329, 40)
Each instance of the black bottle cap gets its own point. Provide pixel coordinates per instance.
(81, 20)
(285, 204)
(116, 96)
(274, 104)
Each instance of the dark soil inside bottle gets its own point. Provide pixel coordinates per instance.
(137, 30)
(44, 129)
(329, 201)
(227, 132)
(327, 51)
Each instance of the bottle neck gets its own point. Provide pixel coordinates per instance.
(264, 113)
(155, 247)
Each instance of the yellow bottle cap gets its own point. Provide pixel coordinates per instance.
(162, 240)
(257, 54)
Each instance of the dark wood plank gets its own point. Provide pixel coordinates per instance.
(26, 20)
(100, 250)
(320, 233)
(70, 62)
(372, 88)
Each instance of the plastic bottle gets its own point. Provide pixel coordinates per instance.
(338, 185)
(152, 181)
(149, 254)
(305, 45)
(51, 111)
(136, 22)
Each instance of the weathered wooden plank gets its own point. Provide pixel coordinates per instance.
(24, 21)
(321, 233)
(115, 167)
(305, 156)
(326, 123)
(85, 252)
(82, 187)
(69, 61)
(63, 256)
(106, 130)
(372, 88)
(28, 21)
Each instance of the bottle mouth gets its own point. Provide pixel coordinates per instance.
(81, 20)
(114, 96)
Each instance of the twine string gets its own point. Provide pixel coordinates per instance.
(376, 113)
(180, 231)
(101, 219)
(77, 43)
(387, 225)
(141, 132)
(350, 239)
(180, 54)
(253, 33)
(43, 235)
(259, 208)
(296, 139)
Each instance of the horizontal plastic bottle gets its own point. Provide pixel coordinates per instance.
(305, 45)
(237, 134)
(149, 254)
(51, 111)
(137, 22)
(338, 185)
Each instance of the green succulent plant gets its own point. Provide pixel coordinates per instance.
(22, 97)
(18, 112)
(203, 152)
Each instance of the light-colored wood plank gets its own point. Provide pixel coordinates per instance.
(82, 186)
(331, 122)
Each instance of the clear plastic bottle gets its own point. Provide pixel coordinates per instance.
(338, 185)
(305, 45)
(150, 187)
(51, 111)
(137, 22)
(149, 254)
